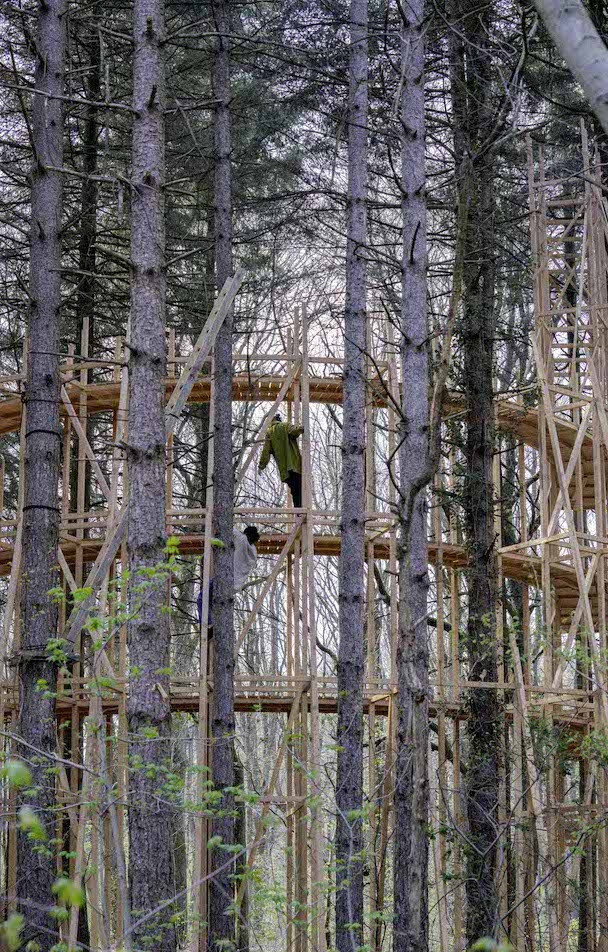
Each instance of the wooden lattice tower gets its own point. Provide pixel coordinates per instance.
(552, 675)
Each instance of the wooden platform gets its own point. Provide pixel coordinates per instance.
(276, 693)
(512, 417)
(520, 567)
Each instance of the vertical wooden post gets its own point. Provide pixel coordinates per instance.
(457, 796)
(371, 668)
(388, 779)
(201, 860)
(439, 796)
(317, 931)
(299, 913)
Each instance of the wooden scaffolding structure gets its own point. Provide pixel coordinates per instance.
(552, 670)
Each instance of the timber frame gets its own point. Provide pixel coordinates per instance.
(552, 669)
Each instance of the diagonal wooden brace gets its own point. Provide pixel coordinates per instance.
(175, 407)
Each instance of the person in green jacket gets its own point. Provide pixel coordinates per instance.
(282, 444)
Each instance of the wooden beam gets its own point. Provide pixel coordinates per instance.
(261, 434)
(85, 443)
(173, 411)
(267, 799)
(201, 350)
(96, 576)
(289, 542)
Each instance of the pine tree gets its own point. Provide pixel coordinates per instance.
(471, 83)
(148, 632)
(349, 773)
(41, 512)
(221, 923)
(411, 768)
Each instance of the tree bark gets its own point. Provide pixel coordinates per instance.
(471, 84)
(584, 918)
(221, 921)
(240, 837)
(87, 247)
(87, 244)
(351, 658)
(411, 782)
(148, 631)
(41, 512)
(578, 42)
(599, 17)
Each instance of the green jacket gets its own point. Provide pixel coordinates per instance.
(282, 443)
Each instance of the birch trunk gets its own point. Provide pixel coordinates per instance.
(471, 81)
(411, 783)
(148, 632)
(599, 17)
(221, 922)
(578, 42)
(41, 512)
(351, 658)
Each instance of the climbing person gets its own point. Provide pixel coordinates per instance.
(245, 558)
(282, 444)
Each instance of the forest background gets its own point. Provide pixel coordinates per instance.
(366, 165)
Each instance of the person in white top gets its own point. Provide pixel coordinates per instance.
(245, 559)
(245, 555)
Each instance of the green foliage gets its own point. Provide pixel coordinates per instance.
(172, 546)
(59, 913)
(81, 594)
(17, 774)
(487, 944)
(11, 931)
(43, 688)
(56, 651)
(594, 746)
(31, 825)
(68, 892)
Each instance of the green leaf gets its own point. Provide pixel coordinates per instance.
(17, 773)
(81, 594)
(59, 913)
(31, 825)
(486, 944)
(172, 546)
(11, 931)
(68, 892)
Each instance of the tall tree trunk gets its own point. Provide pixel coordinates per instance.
(471, 83)
(87, 246)
(584, 917)
(351, 658)
(85, 301)
(411, 783)
(599, 15)
(240, 837)
(148, 631)
(579, 43)
(221, 924)
(41, 512)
